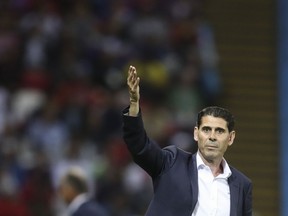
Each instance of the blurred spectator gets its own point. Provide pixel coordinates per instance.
(37, 190)
(74, 190)
(24, 103)
(79, 153)
(10, 202)
(210, 80)
(62, 88)
(3, 108)
(48, 133)
(185, 97)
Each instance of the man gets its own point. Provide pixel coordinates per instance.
(202, 184)
(74, 191)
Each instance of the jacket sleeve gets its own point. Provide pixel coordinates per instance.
(145, 152)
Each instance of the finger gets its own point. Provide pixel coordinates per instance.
(133, 74)
(131, 80)
(136, 83)
(130, 70)
(130, 74)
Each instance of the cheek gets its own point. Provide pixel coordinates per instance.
(65, 193)
(201, 141)
(224, 144)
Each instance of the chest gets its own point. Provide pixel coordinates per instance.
(213, 195)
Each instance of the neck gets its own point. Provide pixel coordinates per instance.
(215, 165)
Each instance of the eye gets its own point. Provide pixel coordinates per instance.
(206, 129)
(220, 130)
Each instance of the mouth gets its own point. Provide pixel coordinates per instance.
(211, 147)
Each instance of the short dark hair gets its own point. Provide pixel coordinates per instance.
(218, 112)
(76, 182)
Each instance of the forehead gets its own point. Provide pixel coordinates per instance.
(213, 122)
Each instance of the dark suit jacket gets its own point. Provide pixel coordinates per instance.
(175, 177)
(90, 208)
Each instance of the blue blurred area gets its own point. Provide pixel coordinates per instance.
(63, 69)
(283, 102)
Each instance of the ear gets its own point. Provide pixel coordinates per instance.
(196, 134)
(231, 137)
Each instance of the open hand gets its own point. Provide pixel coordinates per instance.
(133, 83)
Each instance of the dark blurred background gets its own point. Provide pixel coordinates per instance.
(63, 67)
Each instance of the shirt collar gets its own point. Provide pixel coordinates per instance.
(77, 202)
(226, 169)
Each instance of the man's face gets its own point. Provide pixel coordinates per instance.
(213, 138)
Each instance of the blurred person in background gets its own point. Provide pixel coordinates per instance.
(10, 202)
(74, 190)
(185, 184)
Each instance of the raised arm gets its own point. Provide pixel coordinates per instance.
(144, 151)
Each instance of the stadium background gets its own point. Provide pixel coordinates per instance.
(62, 73)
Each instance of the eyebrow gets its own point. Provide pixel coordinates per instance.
(217, 128)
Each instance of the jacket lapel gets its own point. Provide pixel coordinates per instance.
(234, 194)
(193, 180)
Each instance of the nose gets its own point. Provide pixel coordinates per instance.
(212, 136)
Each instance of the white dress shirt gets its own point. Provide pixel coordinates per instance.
(214, 192)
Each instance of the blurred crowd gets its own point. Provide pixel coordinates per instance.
(63, 66)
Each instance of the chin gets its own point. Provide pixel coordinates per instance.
(210, 156)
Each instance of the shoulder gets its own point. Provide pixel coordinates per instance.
(90, 208)
(173, 154)
(175, 151)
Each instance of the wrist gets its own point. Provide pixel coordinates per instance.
(134, 108)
